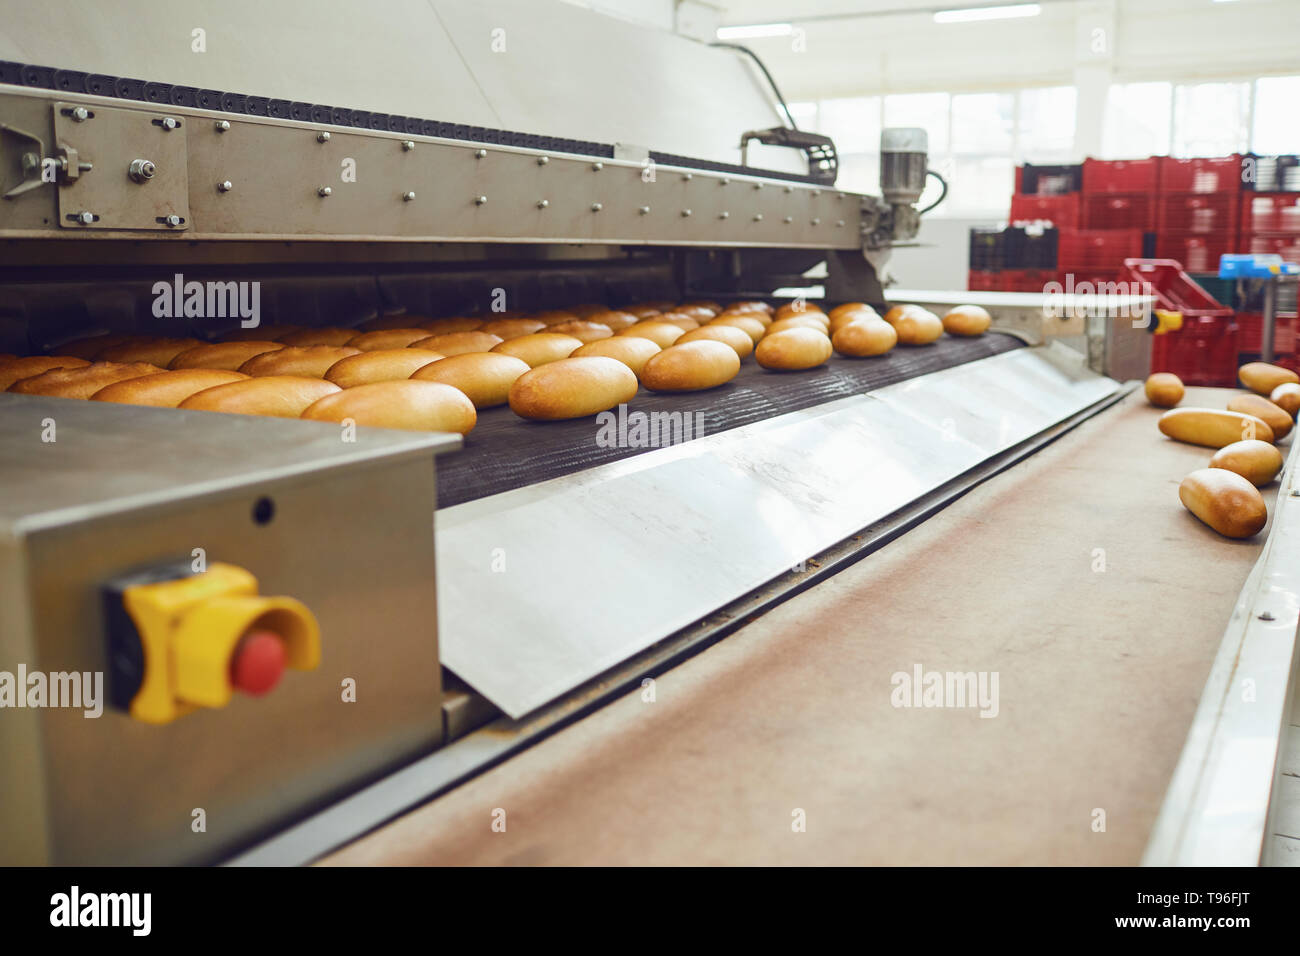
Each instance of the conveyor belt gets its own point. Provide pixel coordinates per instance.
(505, 452)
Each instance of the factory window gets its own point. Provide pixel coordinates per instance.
(1211, 119)
(1138, 120)
(1045, 125)
(979, 164)
(1275, 129)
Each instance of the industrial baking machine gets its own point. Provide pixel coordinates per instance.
(142, 547)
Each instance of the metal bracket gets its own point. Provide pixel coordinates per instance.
(31, 162)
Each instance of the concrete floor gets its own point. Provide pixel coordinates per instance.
(1076, 576)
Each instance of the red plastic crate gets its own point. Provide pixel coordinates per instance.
(1197, 253)
(1071, 281)
(1288, 247)
(1020, 179)
(1250, 333)
(1119, 211)
(1026, 280)
(1097, 250)
(980, 281)
(1202, 352)
(1121, 175)
(1270, 212)
(1173, 288)
(1061, 211)
(1221, 174)
(1199, 212)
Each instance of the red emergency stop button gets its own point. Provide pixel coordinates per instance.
(258, 662)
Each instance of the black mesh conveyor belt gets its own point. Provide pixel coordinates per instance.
(504, 451)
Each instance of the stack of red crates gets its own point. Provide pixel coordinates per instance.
(1199, 210)
(1205, 350)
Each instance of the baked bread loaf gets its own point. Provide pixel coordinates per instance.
(738, 339)
(1164, 389)
(16, 369)
(451, 324)
(226, 355)
(307, 361)
(788, 309)
(89, 346)
(632, 350)
(539, 348)
(409, 405)
(617, 321)
(165, 389)
(1225, 501)
(1256, 461)
(1262, 378)
(750, 325)
(152, 351)
(662, 334)
(793, 349)
(329, 335)
(864, 337)
(82, 381)
(682, 320)
(691, 367)
(918, 327)
(1286, 397)
(484, 377)
(967, 320)
(381, 365)
(852, 315)
(1261, 407)
(387, 339)
(513, 328)
(572, 388)
(808, 321)
(583, 329)
(459, 343)
(1211, 427)
(279, 396)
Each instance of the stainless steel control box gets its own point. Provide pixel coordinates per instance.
(91, 491)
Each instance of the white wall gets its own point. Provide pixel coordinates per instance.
(942, 260)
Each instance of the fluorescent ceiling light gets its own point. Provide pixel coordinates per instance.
(968, 14)
(754, 31)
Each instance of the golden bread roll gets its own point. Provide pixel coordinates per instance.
(451, 324)
(91, 345)
(796, 308)
(1225, 501)
(330, 335)
(700, 311)
(793, 349)
(680, 319)
(852, 315)
(798, 322)
(16, 369)
(303, 361)
(553, 316)
(617, 321)
(280, 396)
(408, 405)
(82, 381)
(751, 306)
(1262, 378)
(1164, 389)
(632, 350)
(738, 339)
(846, 307)
(572, 388)
(1256, 461)
(1211, 427)
(864, 337)
(1286, 397)
(263, 333)
(539, 348)
(662, 334)
(746, 323)
(151, 351)
(586, 310)
(398, 320)
(165, 389)
(762, 318)
(691, 367)
(226, 355)
(381, 365)
(387, 339)
(513, 328)
(918, 327)
(583, 329)
(459, 343)
(967, 320)
(644, 310)
(1262, 408)
(484, 377)
(896, 312)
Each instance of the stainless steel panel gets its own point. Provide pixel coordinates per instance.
(126, 487)
(545, 587)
